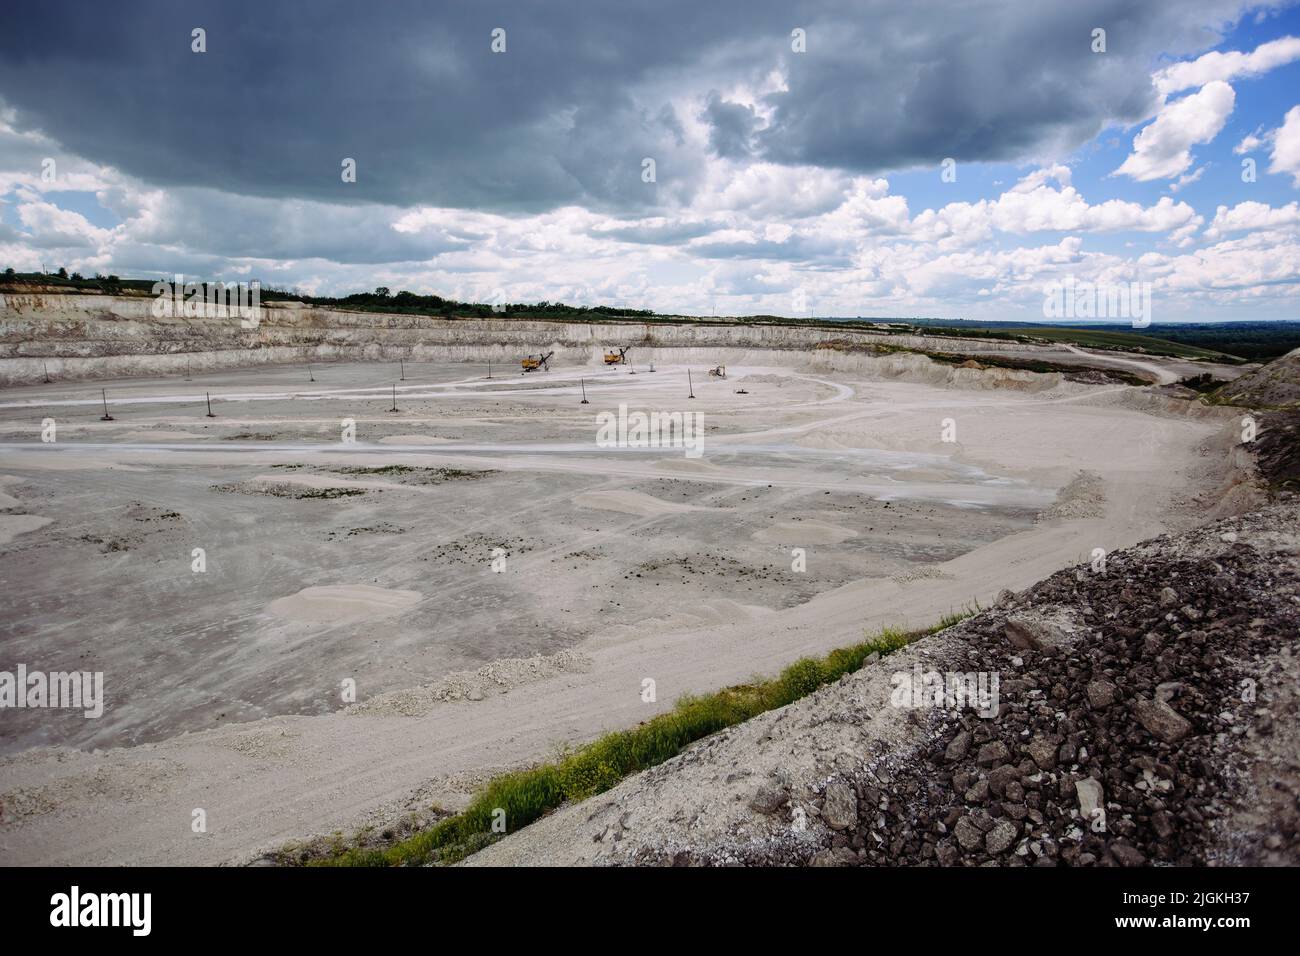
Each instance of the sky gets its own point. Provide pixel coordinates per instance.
(848, 157)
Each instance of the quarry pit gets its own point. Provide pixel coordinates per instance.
(363, 586)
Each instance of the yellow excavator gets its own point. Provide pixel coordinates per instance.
(617, 358)
(533, 362)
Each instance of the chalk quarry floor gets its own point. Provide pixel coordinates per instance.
(492, 583)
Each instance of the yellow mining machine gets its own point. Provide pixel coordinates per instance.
(533, 362)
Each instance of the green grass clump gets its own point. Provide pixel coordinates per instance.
(423, 476)
(526, 795)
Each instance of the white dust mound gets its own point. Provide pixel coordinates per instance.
(631, 503)
(11, 526)
(343, 603)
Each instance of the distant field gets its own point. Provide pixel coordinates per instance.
(1260, 341)
(1100, 339)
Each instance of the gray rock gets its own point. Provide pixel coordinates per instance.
(1162, 721)
(968, 834)
(1126, 855)
(1168, 690)
(1091, 796)
(1043, 752)
(993, 754)
(1000, 838)
(1000, 778)
(840, 808)
(770, 800)
(1028, 631)
(1168, 597)
(841, 856)
(959, 747)
(1101, 694)
(978, 793)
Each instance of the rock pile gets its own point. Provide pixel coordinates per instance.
(1134, 703)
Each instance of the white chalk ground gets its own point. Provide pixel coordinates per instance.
(462, 671)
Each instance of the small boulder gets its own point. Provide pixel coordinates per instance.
(968, 834)
(1126, 855)
(999, 839)
(993, 754)
(1162, 721)
(841, 856)
(769, 800)
(978, 793)
(1101, 694)
(959, 747)
(1090, 795)
(840, 808)
(1043, 752)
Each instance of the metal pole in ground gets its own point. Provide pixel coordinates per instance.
(394, 408)
(209, 399)
(691, 383)
(310, 376)
(584, 401)
(47, 372)
(106, 417)
(403, 365)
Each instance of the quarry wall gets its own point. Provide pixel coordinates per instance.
(76, 337)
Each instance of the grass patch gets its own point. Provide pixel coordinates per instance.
(414, 475)
(527, 795)
(285, 490)
(325, 493)
(1204, 384)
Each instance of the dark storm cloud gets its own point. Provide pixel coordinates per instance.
(914, 84)
(731, 127)
(583, 93)
(824, 252)
(666, 233)
(240, 226)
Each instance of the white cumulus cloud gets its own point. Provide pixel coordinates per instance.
(1285, 157)
(1226, 66)
(1163, 149)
